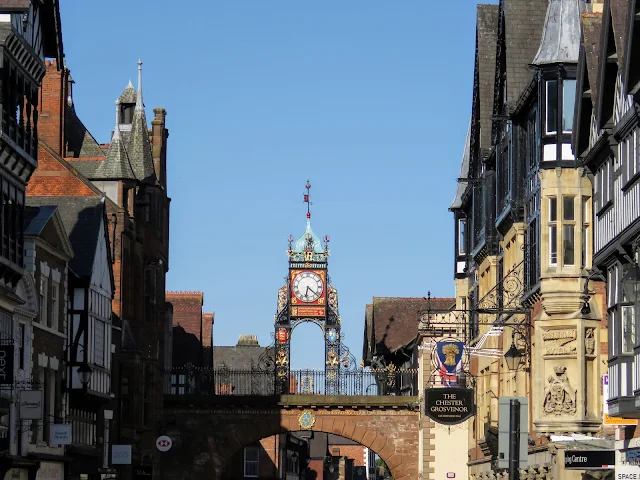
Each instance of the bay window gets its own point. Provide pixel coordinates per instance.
(560, 103)
(462, 230)
(553, 231)
(568, 230)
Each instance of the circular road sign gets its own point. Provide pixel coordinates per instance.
(164, 443)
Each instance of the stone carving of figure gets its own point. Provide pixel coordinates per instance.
(589, 342)
(560, 397)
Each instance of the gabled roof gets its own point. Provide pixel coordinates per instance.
(591, 32)
(80, 142)
(37, 218)
(116, 165)
(561, 33)
(395, 321)
(464, 173)
(82, 218)
(524, 20)
(486, 39)
(620, 24)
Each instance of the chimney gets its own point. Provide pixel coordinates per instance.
(53, 100)
(248, 341)
(159, 135)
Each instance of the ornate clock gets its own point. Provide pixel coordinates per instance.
(307, 286)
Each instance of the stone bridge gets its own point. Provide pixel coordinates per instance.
(207, 431)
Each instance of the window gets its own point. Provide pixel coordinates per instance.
(553, 231)
(251, 461)
(586, 232)
(552, 107)
(568, 230)
(99, 343)
(568, 104)
(603, 184)
(44, 294)
(21, 346)
(55, 306)
(462, 230)
(628, 328)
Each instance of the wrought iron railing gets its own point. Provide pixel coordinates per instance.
(224, 381)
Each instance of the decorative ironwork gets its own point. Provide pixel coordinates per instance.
(226, 381)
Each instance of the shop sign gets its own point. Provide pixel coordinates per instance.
(449, 405)
(50, 471)
(589, 459)
(6, 364)
(143, 472)
(627, 472)
(31, 405)
(60, 434)
(121, 454)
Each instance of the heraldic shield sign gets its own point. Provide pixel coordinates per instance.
(449, 362)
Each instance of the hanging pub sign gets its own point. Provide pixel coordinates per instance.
(6, 364)
(449, 362)
(449, 405)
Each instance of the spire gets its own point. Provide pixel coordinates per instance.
(308, 238)
(561, 34)
(116, 166)
(139, 146)
(128, 95)
(139, 104)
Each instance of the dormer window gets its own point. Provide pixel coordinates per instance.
(126, 113)
(560, 102)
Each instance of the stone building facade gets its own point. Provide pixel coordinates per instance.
(523, 227)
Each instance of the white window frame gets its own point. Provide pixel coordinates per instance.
(586, 228)
(627, 318)
(55, 305)
(546, 105)
(564, 100)
(462, 229)
(44, 299)
(252, 462)
(569, 223)
(552, 218)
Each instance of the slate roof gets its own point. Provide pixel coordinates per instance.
(464, 173)
(620, 24)
(139, 148)
(591, 30)
(128, 95)
(117, 164)
(80, 142)
(487, 36)
(524, 21)
(82, 218)
(35, 218)
(237, 357)
(86, 167)
(392, 322)
(561, 34)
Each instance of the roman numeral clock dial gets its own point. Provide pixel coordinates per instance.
(307, 287)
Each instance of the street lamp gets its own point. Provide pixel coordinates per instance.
(513, 357)
(84, 372)
(631, 283)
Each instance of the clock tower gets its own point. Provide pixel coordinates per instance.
(308, 296)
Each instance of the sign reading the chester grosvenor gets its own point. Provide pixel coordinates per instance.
(449, 405)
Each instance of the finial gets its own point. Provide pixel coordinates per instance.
(307, 197)
(116, 132)
(326, 242)
(139, 104)
(290, 240)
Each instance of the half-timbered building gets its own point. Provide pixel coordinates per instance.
(607, 142)
(522, 219)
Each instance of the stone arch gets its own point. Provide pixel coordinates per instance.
(401, 465)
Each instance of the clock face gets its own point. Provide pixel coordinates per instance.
(307, 287)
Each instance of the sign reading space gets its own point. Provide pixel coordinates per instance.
(449, 405)
(589, 459)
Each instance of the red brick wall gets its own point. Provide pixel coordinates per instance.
(207, 329)
(353, 452)
(187, 311)
(53, 94)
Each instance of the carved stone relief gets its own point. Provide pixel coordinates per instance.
(589, 341)
(559, 342)
(560, 396)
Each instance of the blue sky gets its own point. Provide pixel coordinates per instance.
(370, 100)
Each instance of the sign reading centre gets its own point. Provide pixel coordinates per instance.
(589, 459)
(449, 405)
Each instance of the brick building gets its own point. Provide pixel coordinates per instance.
(129, 174)
(192, 329)
(47, 253)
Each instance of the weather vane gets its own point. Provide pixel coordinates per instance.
(307, 199)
